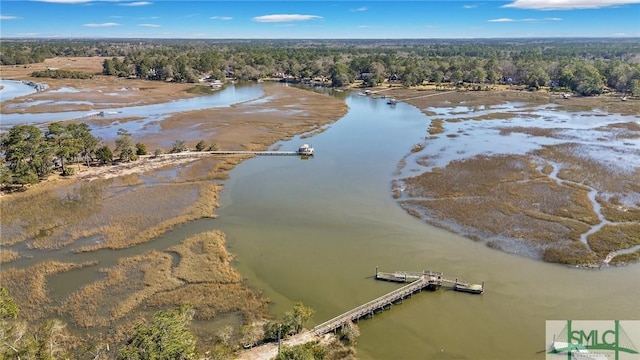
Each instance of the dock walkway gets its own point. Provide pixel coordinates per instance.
(417, 282)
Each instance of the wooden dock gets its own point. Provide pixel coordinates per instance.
(257, 153)
(417, 282)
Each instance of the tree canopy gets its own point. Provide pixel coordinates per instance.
(167, 337)
(594, 65)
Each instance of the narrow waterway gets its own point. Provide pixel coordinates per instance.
(315, 230)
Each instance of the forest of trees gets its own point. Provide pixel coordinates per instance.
(30, 154)
(584, 66)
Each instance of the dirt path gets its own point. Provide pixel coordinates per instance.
(270, 350)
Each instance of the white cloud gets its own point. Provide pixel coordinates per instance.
(285, 17)
(501, 20)
(137, 3)
(469, 6)
(149, 25)
(567, 4)
(222, 18)
(109, 24)
(362, 8)
(530, 20)
(8, 17)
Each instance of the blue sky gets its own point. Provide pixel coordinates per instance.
(338, 19)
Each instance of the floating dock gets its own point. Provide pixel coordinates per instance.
(436, 280)
(417, 281)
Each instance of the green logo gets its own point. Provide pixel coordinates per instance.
(593, 339)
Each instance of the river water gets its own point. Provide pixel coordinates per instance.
(314, 231)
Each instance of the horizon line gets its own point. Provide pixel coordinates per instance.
(325, 39)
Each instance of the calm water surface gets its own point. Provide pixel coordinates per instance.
(148, 114)
(315, 230)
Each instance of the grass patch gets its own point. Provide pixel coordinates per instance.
(125, 287)
(436, 127)
(201, 90)
(212, 285)
(494, 116)
(211, 299)
(533, 131)
(45, 214)
(626, 258)
(506, 195)
(615, 211)
(570, 254)
(28, 287)
(203, 258)
(7, 255)
(615, 237)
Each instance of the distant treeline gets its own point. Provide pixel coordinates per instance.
(61, 74)
(584, 66)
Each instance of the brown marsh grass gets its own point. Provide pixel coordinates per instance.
(607, 178)
(212, 285)
(28, 287)
(205, 259)
(8, 255)
(46, 213)
(436, 127)
(494, 116)
(572, 253)
(508, 196)
(615, 211)
(539, 132)
(624, 259)
(211, 299)
(125, 287)
(615, 237)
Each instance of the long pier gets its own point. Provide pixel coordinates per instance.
(417, 282)
(258, 153)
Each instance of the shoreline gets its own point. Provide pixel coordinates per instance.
(168, 182)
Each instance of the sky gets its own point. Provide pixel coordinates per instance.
(319, 19)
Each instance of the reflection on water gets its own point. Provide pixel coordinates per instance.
(465, 137)
(13, 89)
(149, 115)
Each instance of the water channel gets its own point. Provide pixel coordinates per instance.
(315, 230)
